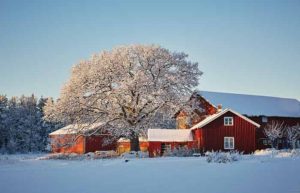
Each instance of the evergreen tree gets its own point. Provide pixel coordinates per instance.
(3, 122)
(22, 127)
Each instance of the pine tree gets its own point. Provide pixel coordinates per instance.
(22, 127)
(3, 122)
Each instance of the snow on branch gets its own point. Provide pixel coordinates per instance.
(274, 131)
(129, 89)
(292, 134)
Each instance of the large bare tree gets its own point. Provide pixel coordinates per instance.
(129, 89)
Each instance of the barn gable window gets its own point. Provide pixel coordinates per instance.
(228, 142)
(228, 121)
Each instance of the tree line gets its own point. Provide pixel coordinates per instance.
(22, 127)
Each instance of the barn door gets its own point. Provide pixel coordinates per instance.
(163, 148)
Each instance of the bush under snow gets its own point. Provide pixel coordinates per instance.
(75, 156)
(222, 157)
(179, 152)
(278, 153)
(135, 154)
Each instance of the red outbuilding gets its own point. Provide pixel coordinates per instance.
(162, 140)
(77, 138)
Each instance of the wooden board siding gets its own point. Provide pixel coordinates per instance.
(155, 147)
(212, 135)
(96, 143)
(123, 147)
(260, 136)
(66, 144)
(182, 120)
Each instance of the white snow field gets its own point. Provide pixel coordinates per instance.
(262, 173)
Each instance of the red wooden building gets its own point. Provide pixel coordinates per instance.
(161, 140)
(262, 141)
(261, 109)
(76, 139)
(226, 130)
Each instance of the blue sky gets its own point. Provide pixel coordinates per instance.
(250, 46)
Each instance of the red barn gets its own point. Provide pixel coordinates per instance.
(75, 139)
(226, 130)
(261, 109)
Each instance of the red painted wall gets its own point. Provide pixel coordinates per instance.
(67, 144)
(155, 147)
(81, 145)
(212, 135)
(126, 146)
(96, 143)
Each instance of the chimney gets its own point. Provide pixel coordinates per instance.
(219, 107)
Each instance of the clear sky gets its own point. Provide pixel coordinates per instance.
(249, 46)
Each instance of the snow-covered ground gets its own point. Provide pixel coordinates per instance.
(262, 173)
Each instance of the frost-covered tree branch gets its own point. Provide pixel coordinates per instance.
(292, 134)
(274, 131)
(126, 89)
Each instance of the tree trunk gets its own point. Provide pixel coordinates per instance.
(275, 144)
(294, 144)
(134, 143)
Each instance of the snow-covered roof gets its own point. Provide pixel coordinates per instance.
(210, 118)
(170, 135)
(76, 128)
(128, 140)
(253, 105)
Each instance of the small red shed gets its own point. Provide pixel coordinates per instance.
(161, 140)
(226, 130)
(75, 139)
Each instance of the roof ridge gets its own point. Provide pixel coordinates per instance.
(217, 115)
(254, 95)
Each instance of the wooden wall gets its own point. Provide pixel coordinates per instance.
(123, 147)
(155, 147)
(70, 143)
(96, 143)
(67, 144)
(260, 136)
(211, 136)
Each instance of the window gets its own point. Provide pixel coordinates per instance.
(228, 121)
(266, 141)
(228, 142)
(298, 143)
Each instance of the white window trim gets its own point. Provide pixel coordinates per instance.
(225, 124)
(229, 138)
